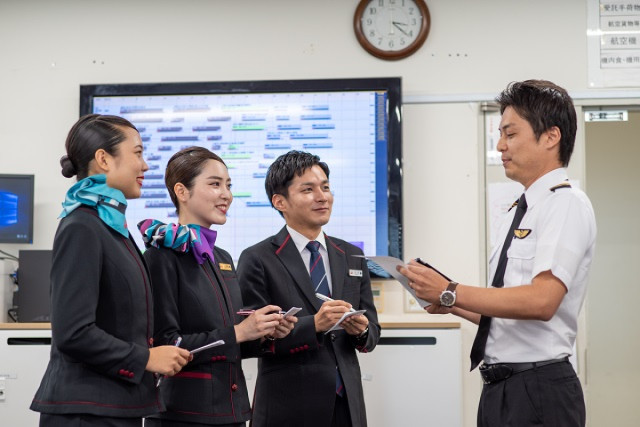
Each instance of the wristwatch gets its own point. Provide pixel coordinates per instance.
(448, 296)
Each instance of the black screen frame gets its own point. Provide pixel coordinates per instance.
(392, 85)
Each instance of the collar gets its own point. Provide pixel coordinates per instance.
(540, 188)
(301, 241)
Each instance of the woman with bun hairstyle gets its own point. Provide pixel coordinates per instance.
(102, 366)
(197, 298)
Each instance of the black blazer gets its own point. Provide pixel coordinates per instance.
(296, 384)
(198, 303)
(101, 324)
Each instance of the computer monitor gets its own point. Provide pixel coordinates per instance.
(16, 208)
(354, 125)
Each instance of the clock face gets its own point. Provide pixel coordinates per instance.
(391, 25)
(391, 29)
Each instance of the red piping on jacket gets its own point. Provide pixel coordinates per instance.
(198, 375)
(283, 244)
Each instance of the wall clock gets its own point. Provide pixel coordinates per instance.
(391, 29)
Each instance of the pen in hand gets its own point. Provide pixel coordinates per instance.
(326, 299)
(250, 312)
(177, 344)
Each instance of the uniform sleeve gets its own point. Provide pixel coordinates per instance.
(255, 285)
(75, 290)
(166, 282)
(370, 340)
(566, 231)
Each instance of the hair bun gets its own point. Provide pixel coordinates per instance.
(68, 169)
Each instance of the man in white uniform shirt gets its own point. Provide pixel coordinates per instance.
(538, 270)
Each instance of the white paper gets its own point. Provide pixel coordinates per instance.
(210, 345)
(389, 265)
(345, 316)
(292, 311)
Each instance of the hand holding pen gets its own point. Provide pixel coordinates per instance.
(167, 359)
(326, 299)
(330, 312)
(258, 324)
(160, 378)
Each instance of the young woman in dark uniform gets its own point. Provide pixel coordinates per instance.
(101, 371)
(197, 298)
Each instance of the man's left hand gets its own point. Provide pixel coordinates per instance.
(427, 283)
(355, 325)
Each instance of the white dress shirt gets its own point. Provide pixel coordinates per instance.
(562, 240)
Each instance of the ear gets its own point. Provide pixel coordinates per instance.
(102, 160)
(552, 137)
(182, 192)
(279, 202)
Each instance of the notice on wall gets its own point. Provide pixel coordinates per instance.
(613, 32)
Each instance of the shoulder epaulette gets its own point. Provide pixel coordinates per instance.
(563, 185)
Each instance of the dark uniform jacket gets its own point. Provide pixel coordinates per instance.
(198, 303)
(296, 384)
(101, 324)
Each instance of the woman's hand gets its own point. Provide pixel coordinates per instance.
(285, 327)
(260, 323)
(167, 359)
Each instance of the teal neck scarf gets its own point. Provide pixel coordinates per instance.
(93, 191)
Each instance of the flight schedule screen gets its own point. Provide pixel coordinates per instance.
(348, 130)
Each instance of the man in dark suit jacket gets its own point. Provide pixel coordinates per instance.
(310, 378)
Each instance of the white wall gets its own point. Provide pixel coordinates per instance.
(47, 49)
(613, 345)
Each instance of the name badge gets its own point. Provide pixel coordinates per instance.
(224, 267)
(355, 273)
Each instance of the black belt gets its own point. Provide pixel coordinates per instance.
(501, 371)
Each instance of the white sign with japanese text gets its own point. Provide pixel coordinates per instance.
(613, 31)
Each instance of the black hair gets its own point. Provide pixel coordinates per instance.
(286, 167)
(88, 135)
(184, 166)
(543, 105)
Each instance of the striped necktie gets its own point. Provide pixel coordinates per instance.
(317, 270)
(321, 285)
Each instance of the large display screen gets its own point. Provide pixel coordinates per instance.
(352, 124)
(16, 208)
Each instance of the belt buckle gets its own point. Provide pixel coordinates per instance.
(484, 373)
(493, 373)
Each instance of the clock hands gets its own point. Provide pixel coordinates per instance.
(391, 32)
(397, 25)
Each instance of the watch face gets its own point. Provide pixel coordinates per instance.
(391, 25)
(447, 298)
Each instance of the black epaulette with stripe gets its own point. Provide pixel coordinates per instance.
(559, 186)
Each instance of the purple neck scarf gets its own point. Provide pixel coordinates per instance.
(182, 238)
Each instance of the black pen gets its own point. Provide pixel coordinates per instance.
(426, 264)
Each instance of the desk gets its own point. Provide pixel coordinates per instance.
(413, 377)
(24, 354)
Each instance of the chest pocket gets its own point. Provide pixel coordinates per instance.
(521, 255)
